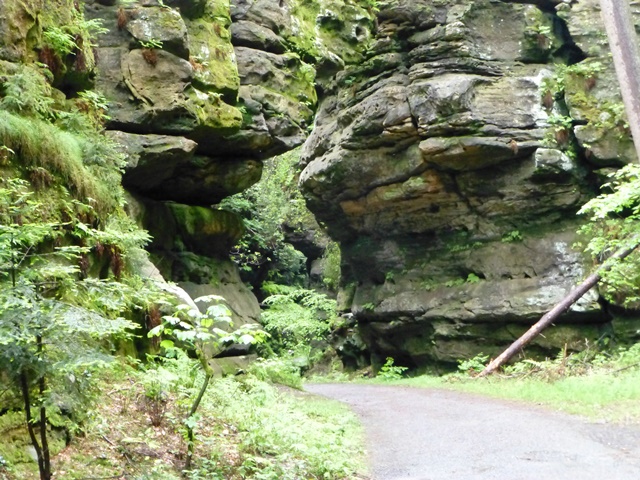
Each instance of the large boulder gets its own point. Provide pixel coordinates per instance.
(164, 167)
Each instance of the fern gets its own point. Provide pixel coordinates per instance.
(28, 93)
(50, 341)
(296, 317)
(59, 40)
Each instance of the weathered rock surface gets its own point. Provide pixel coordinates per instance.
(242, 91)
(194, 115)
(190, 246)
(451, 181)
(164, 167)
(453, 143)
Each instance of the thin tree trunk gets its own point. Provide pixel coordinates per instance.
(556, 311)
(623, 42)
(24, 385)
(194, 408)
(43, 418)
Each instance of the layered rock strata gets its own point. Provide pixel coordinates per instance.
(199, 93)
(450, 164)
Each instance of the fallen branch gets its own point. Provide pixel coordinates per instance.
(556, 311)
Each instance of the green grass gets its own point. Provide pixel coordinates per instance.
(51, 155)
(246, 429)
(598, 396)
(290, 435)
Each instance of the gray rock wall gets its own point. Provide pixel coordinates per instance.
(450, 164)
(199, 94)
(451, 144)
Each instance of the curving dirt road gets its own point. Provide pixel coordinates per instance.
(422, 434)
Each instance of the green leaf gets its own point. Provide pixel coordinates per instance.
(156, 331)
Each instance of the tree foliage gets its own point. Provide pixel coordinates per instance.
(267, 207)
(614, 224)
(296, 318)
(189, 329)
(50, 339)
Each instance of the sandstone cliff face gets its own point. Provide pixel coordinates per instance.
(200, 92)
(450, 164)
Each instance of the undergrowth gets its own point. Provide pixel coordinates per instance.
(247, 429)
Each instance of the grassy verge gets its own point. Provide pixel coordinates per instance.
(598, 396)
(601, 387)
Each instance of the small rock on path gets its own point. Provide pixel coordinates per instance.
(426, 434)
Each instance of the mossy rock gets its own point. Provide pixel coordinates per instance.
(23, 27)
(331, 29)
(541, 37)
(201, 230)
(230, 366)
(593, 99)
(167, 104)
(17, 22)
(158, 24)
(213, 58)
(210, 119)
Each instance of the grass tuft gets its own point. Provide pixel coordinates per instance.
(599, 386)
(41, 147)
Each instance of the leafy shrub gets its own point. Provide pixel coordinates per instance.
(277, 370)
(473, 365)
(251, 429)
(157, 383)
(51, 342)
(27, 92)
(37, 144)
(266, 208)
(389, 371)
(512, 236)
(613, 220)
(297, 317)
(189, 329)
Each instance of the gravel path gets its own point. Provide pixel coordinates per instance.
(423, 434)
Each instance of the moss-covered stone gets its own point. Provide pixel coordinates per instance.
(213, 58)
(159, 25)
(167, 104)
(541, 36)
(54, 33)
(18, 31)
(212, 116)
(183, 228)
